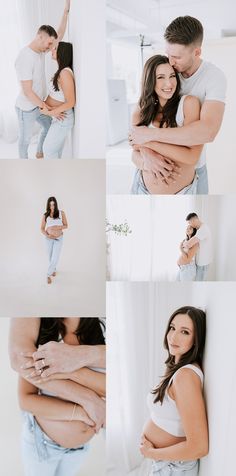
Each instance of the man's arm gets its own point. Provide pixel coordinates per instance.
(199, 132)
(62, 27)
(30, 94)
(193, 241)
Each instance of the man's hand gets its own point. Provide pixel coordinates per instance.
(140, 135)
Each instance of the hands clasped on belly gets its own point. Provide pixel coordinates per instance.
(54, 232)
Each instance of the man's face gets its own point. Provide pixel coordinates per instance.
(46, 42)
(193, 222)
(181, 57)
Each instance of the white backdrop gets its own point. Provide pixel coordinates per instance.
(137, 316)
(158, 226)
(11, 421)
(79, 288)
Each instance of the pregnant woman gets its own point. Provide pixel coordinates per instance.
(52, 226)
(60, 102)
(161, 105)
(187, 261)
(176, 435)
(57, 424)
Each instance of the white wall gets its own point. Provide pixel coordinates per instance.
(79, 288)
(87, 32)
(10, 417)
(141, 347)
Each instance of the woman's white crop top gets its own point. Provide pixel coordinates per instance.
(57, 95)
(166, 415)
(179, 114)
(54, 221)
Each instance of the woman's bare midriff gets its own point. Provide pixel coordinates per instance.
(53, 102)
(69, 434)
(55, 231)
(156, 186)
(158, 437)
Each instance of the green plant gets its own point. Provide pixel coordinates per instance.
(122, 229)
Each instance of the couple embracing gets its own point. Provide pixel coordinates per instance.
(51, 105)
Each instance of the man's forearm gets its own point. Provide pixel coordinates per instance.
(196, 133)
(34, 99)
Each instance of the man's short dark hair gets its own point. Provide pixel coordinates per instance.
(184, 31)
(190, 216)
(49, 30)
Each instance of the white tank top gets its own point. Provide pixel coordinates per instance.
(179, 114)
(166, 415)
(57, 95)
(54, 221)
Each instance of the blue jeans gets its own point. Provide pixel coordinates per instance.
(175, 468)
(139, 187)
(54, 250)
(56, 136)
(26, 121)
(201, 273)
(43, 456)
(202, 184)
(187, 272)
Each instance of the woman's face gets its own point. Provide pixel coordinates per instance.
(52, 206)
(180, 337)
(189, 230)
(166, 82)
(54, 53)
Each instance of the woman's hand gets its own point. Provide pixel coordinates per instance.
(81, 415)
(67, 6)
(145, 447)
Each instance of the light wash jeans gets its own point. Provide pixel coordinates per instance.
(202, 184)
(43, 456)
(56, 136)
(187, 272)
(139, 187)
(54, 250)
(201, 273)
(26, 121)
(174, 468)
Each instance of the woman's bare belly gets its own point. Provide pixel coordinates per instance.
(54, 231)
(69, 434)
(53, 102)
(158, 437)
(156, 186)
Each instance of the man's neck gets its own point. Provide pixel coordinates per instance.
(189, 72)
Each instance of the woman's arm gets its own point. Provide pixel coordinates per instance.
(92, 379)
(188, 396)
(43, 227)
(50, 408)
(64, 221)
(179, 153)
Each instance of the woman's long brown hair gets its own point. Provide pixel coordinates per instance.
(149, 103)
(194, 355)
(90, 330)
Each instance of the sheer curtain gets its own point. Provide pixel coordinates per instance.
(137, 314)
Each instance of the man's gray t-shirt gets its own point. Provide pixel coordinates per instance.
(208, 83)
(30, 66)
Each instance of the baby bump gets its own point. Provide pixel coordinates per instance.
(69, 434)
(156, 186)
(54, 231)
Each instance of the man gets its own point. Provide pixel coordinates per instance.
(199, 78)
(58, 358)
(203, 238)
(30, 70)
